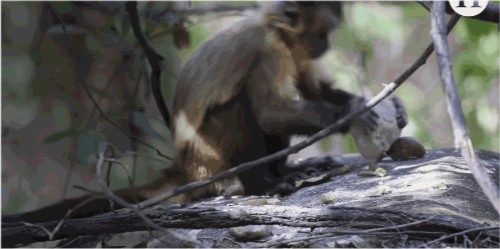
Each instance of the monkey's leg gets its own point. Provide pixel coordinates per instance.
(262, 178)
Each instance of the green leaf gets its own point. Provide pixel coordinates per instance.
(55, 137)
(61, 7)
(36, 55)
(469, 70)
(478, 28)
(61, 116)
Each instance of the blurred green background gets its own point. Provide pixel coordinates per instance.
(51, 129)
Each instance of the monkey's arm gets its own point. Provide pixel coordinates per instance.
(277, 105)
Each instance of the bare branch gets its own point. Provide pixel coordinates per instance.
(369, 231)
(223, 216)
(489, 14)
(461, 233)
(462, 139)
(154, 61)
(85, 87)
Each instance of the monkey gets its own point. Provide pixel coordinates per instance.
(247, 89)
(240, 97)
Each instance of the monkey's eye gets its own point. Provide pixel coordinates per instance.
(293, 16)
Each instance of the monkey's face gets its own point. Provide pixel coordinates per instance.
(320, 24)
(316, 42)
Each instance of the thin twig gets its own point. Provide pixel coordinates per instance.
(44, 229)
(461, 233)
(129, 177)
(369, 231)
(127, 133)
(122, 202)
(462, 139)
(71, 211)
(85, 87)
(133, 143)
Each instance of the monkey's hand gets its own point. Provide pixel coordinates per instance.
(369, 118)
(401, 114)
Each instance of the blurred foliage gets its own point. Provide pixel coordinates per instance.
(475, 64)
(476, 69)
(51, 128)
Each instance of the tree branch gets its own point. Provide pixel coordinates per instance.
(210, 215)
(490, 14)
(154, 60)
(462, 139)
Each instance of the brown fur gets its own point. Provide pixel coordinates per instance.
(246, 89)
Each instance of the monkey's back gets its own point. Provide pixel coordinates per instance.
(209, 118)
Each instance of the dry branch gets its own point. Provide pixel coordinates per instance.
(154, 60)
(462, 139)
(213, 216)
(391, 210)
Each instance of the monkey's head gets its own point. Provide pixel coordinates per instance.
(307, 23)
